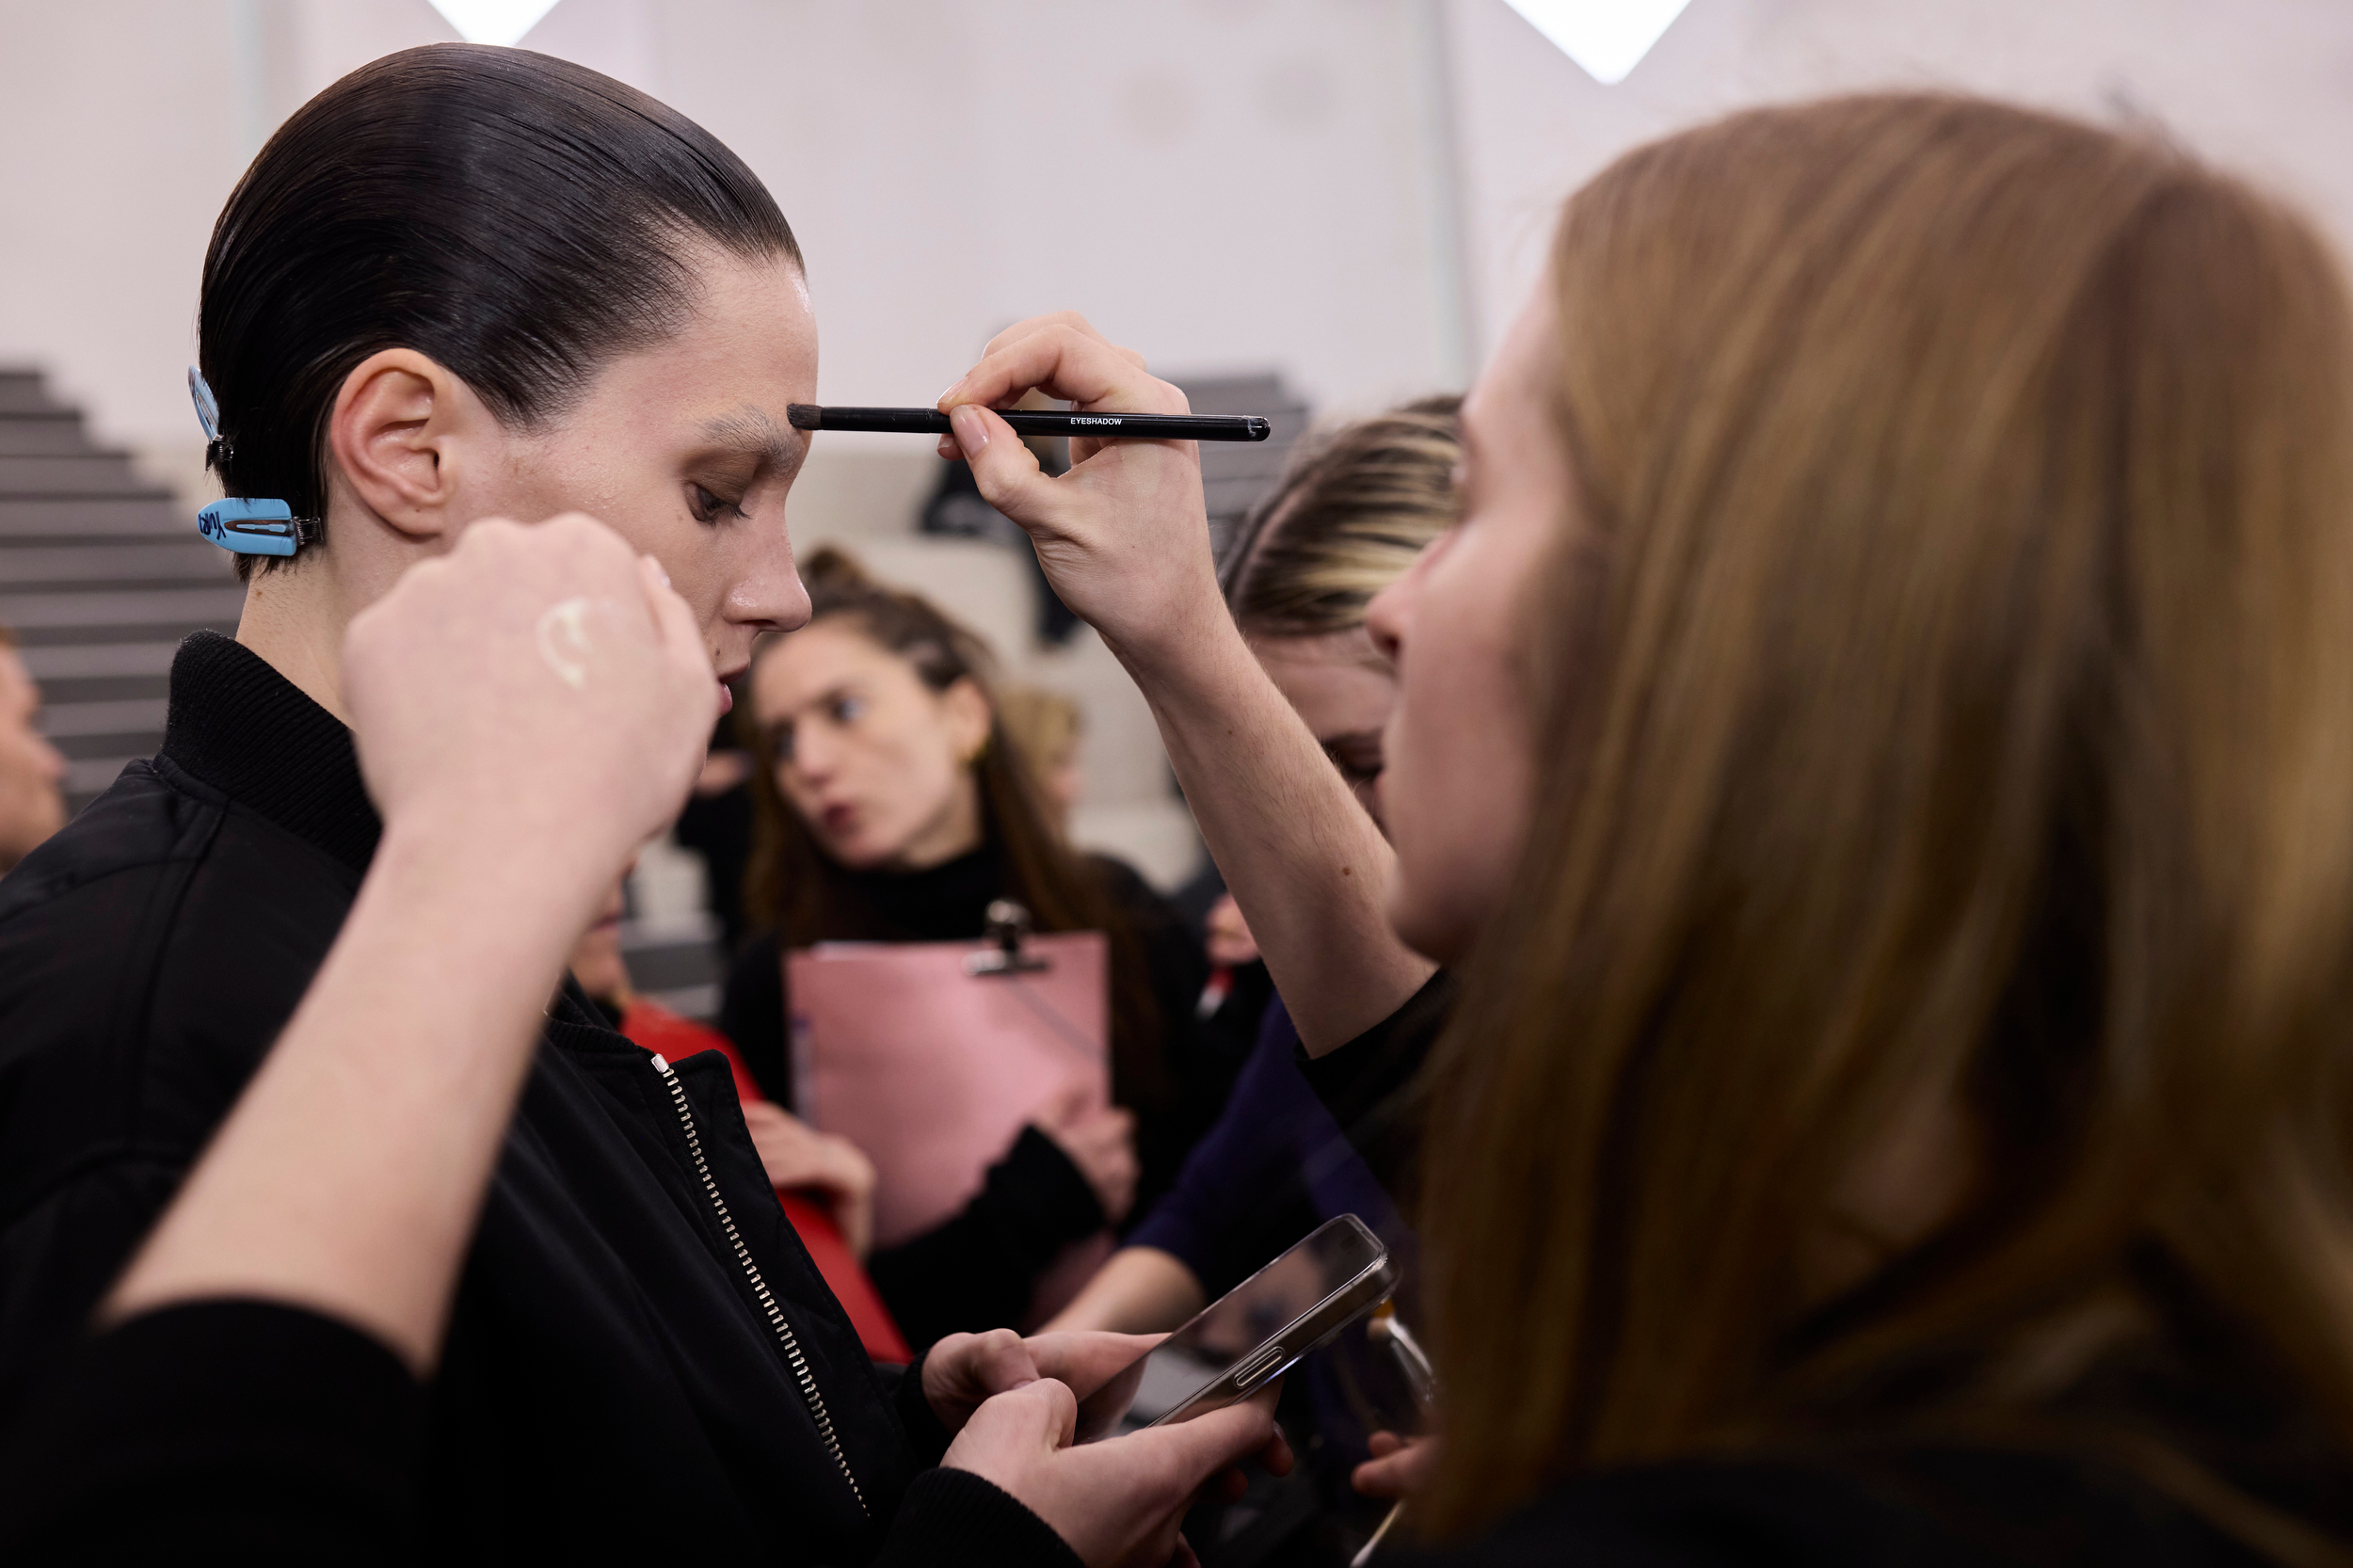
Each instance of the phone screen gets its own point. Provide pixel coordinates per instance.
(1338, 1272)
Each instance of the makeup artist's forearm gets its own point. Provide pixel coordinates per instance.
(348, 1178)
(1307, 867)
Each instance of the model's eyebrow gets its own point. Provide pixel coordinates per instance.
(751, 430)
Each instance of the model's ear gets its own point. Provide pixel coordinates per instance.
(396, 432)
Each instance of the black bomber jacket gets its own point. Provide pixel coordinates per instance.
(615, 1383)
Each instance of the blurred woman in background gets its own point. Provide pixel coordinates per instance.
(1045, 728)
(892, 808)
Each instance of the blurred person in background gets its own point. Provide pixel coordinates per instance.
(1351, 513)
(1044, 728)
(1878, 742)
(716, 824)
(32, 800)
(892, 808)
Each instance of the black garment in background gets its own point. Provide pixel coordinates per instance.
(1892, 1503)
(611, 1385)
(271, 1435)
(719, 829)
(1199, 895)
(977, 1269)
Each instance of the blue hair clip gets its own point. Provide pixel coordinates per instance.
(247, 524)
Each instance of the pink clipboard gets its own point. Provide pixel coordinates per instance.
(931, 1070)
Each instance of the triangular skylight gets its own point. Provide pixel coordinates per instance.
(1608, 38)
(500, 21)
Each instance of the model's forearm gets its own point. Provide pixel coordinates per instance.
(348, 1178)
(1306, 865)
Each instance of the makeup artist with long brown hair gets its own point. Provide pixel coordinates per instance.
(890, 805)
(1879, 749)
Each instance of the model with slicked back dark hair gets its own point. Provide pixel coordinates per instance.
(516, 218)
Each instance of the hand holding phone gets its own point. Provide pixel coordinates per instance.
(1118, 1502)
(1253, 1333)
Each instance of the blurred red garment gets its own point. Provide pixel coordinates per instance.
(665, 1033)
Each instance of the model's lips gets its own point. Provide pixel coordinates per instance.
(726, 699)
(838, 820)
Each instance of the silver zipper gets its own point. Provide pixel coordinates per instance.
(785, 1336)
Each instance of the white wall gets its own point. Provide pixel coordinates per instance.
(1226, 183)
(1220, 183)
(2264, 85)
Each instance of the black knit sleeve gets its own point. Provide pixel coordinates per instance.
(217, 1428)
(954, 1519)
(1199, 1070)
(978, 1270)
(1370, 1084)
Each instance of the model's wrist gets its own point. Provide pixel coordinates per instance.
(506, 875)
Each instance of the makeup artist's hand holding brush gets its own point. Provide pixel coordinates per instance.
(1123, 538)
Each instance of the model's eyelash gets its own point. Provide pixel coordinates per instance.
(708, 506)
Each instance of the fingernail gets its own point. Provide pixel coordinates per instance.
(658, 571)
(971, 429)
(949, 391)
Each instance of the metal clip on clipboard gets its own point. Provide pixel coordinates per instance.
(1008, 926)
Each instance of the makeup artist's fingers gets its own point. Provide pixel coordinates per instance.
(1072, 361)
(1036, 325)
(1066, 362)
(1003, 465)
(1124, 536)
(1072, 319)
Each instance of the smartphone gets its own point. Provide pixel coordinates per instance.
(1252, 1334)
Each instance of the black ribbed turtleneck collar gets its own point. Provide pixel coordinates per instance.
(246, 730)
(940, 904)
